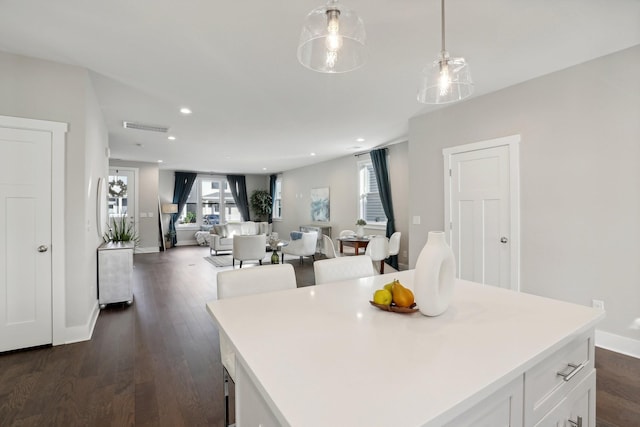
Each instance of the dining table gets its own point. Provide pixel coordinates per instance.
(324, 355)
(355, 242)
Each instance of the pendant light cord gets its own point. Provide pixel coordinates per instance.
(442, 8)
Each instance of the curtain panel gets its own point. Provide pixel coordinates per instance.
(181, 189)
(272, 192)
(379, 161)
(238, 186)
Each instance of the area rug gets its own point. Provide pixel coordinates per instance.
(227, 260)
(304, 272)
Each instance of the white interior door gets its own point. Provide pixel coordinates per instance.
(25, 238)
(482, 214)
(122, 193)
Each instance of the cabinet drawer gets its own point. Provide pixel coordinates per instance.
(548, 382)
(577, 408)
(501, 409)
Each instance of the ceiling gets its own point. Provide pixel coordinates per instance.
(255, 108)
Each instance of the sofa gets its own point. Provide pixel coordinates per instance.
(221, 235)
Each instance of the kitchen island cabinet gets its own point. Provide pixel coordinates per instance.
(322, 355)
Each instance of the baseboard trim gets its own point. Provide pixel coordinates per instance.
(187, 243)
(150, 250)
(618, 343)
(83, 332)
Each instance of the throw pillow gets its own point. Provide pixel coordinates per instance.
(220, 230)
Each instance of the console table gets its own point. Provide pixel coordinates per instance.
(115, 273)
(322, 355)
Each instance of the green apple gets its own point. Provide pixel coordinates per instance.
(382, 297)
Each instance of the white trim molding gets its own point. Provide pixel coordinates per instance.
(513, 142)
(58, 196)
(83, 332)
(618, 343)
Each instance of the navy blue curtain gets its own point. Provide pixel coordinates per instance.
(272, 192)
(379, 161)
(181, 189)
(238, 186)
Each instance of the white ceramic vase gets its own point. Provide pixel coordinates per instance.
(359, 231)
(434, 275)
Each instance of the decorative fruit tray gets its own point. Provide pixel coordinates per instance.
(395, 308)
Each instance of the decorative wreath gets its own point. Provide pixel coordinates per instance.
(117, 189)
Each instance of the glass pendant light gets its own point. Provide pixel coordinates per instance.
(446, 79)
(332, 39)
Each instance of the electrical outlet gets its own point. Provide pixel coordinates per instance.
(596, 303)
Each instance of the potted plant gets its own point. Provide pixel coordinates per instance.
(190, 218)
(261, 203)
(168, 238)
(122, 230)
(360, 227)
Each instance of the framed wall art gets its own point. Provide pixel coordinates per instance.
(320, 204)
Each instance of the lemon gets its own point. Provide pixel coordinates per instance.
(382, 297)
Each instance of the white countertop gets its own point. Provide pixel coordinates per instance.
(324, 356)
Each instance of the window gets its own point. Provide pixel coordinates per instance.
(370, 205)
(210, 202)
(276, 212)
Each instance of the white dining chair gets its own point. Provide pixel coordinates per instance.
(347, 233)
(342, 268)
(238, 283)
(378, 250)
(328, 248)
(394, 243)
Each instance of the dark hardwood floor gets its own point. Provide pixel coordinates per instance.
(617, 389)
(157, 363)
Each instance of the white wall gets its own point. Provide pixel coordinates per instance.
(37, 89)
(341, 176)
(580, 179)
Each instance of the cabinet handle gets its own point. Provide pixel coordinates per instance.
(572, 369)
(576, 423)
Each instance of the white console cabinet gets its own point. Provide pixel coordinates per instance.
(115, 270)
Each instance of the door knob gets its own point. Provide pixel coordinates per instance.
(504, 240)
(43, 248)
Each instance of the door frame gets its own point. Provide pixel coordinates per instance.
(58, 131)
(513, 144)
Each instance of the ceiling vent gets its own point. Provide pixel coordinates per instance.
(140, 126)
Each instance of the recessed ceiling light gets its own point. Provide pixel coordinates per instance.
(264, 169)
(159, 161)
(312, 154)
(185, 111)
(171, 138)
(360, 139)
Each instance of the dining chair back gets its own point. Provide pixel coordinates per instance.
(328, 247)
(342, 268)
(347, 233)
(394, 243)
(378, 250)
(238, 283)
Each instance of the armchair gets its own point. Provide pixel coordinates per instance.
(303, 246)
(250, 247)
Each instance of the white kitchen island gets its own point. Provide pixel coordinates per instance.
(323, 356)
